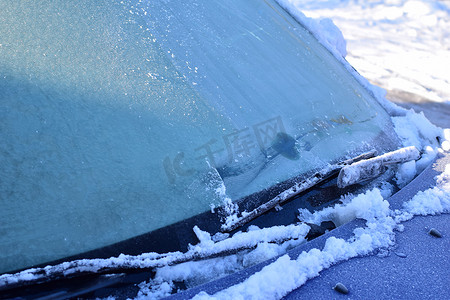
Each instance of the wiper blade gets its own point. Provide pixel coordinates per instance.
(351, 171)
(373, 167)
(150, 261)
(298, 188)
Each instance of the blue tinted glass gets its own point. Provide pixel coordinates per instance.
(119, 119)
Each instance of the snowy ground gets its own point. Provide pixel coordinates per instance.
(402, 46)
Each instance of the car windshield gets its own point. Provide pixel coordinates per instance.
(117, 119)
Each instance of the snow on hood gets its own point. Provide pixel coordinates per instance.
(286, 274)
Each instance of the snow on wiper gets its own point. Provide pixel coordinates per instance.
(206, 249)
(351, 171)
(234, 222)
(370, 168)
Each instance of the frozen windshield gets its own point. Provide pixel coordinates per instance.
(119, 119)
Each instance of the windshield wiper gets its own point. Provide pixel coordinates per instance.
(370, 168)
(351, 171)
(150, 261)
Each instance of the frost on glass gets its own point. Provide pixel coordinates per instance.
(119, 119)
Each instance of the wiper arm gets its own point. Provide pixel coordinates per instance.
(298, 188)
(351, 171)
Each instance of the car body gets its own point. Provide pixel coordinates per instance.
(414, 267)
(128, 124)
